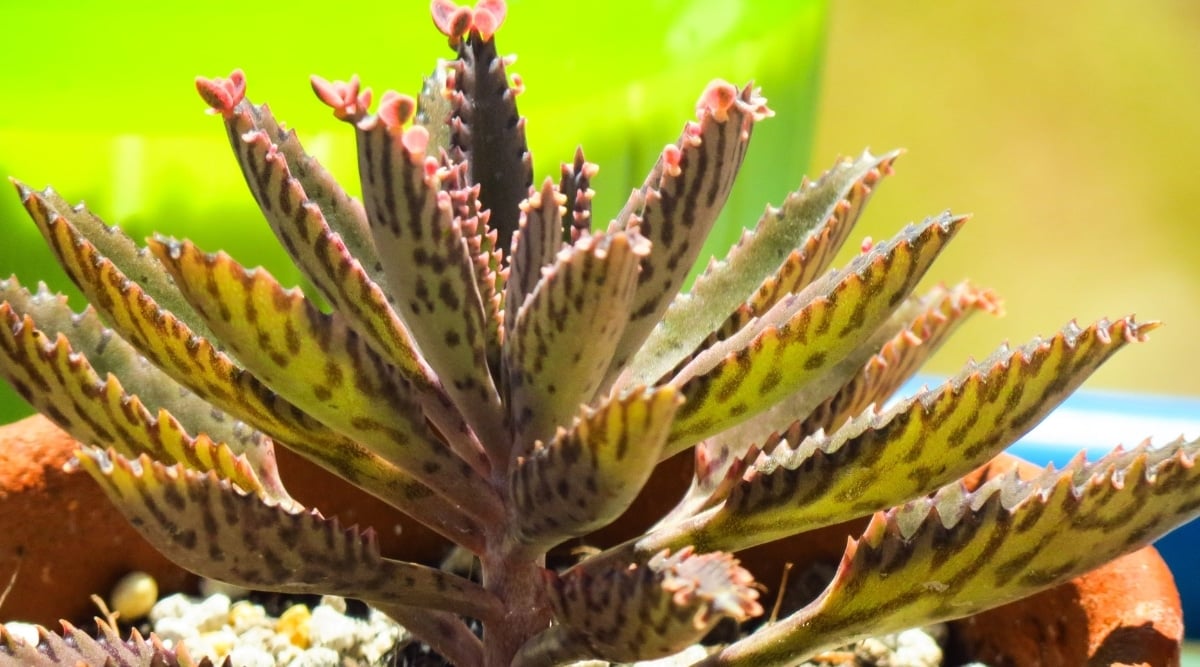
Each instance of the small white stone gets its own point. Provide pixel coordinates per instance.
(330, 629)
(338, 604)
(211, 614)
(172, 606)
(174, 629)
(26, 632)
(317, 657)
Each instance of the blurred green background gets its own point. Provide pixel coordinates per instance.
(1066, 128)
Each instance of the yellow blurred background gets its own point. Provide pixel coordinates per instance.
(1068, 129)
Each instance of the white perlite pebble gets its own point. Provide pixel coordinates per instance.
(317, 657)
(251, 656)
(26, 632)
(330, 629)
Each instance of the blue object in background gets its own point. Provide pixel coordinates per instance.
(1097, 421)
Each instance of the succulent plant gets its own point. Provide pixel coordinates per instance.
(481, 356)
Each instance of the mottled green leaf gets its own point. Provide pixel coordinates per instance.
(642, 611)
(959, 553)
(879, 460)
(803, 335)
(575, 187)
(535, 245)
(679, 202)
(46, 371)
(207, 526)
(790, 246)
(315, 361)
(62, 384)
(195, 363)
(75, 647)
(49, 211)
(588, 475)
(897, 360)
(563, 337)
(429, 268)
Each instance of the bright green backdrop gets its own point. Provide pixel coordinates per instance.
(99, 101)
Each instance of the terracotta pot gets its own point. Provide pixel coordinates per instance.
(71, 542)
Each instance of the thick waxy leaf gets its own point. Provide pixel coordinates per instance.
(787, 249)
(75, 647)
(644, 611)
(680, 200)
(563, 338)
(195, 363)
(49, 211)
(898, 360)
(63, 385)
(209, 527)
(535, 245)
(588, 475)
(429, 268)
(320, 252)
(46, 371)
(803, 335)
(880, 460)
(488, 133)
(313, 360)
(959, 553)
(443, 631)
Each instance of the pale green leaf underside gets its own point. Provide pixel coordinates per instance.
(959, 553)
(803, 335)
(209, 527)
(727, 284)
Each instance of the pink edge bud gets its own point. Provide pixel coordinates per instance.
(867, 245)
(344, 97)
(489, 14)
(518, 85)
(672, 157)
(223, 95)
(395, 109)
(451, 20)
(716, 100)
(415, 139)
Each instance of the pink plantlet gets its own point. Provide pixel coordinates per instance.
(672, 157)
(395, 110)
(223, 94)
(349, 104)
(716, 100)
(866, 246)
(518, 85)
(458, 22)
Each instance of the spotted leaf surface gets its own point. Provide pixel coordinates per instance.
(958, 553)
(195, 363)
(209, 527)
(45, 370)
(535, 245)
(898, 359)
(76, 647)
(563, 338)
(789, 246)
(315, 361)
(643, 611)
(803, 335)
(52, 213)
(680, 200)
(488, 133)
(588, 475)
(880, 460)
(430, 272)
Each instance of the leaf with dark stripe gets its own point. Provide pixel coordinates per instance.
(899, 358)
(676, 207)
(325, 259)
(880, 460)
(315, 361)
(107, 353)
(642, 611)
(790, 246)
(588, 475)
(75, 647)
(535, 245)
(429, 269)
(489, 134)
(960, 553)
(49, 211)
(209, 527)
(195, 363)
(803, 335)
(575, 186)
(564, 336)
(63, 385)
